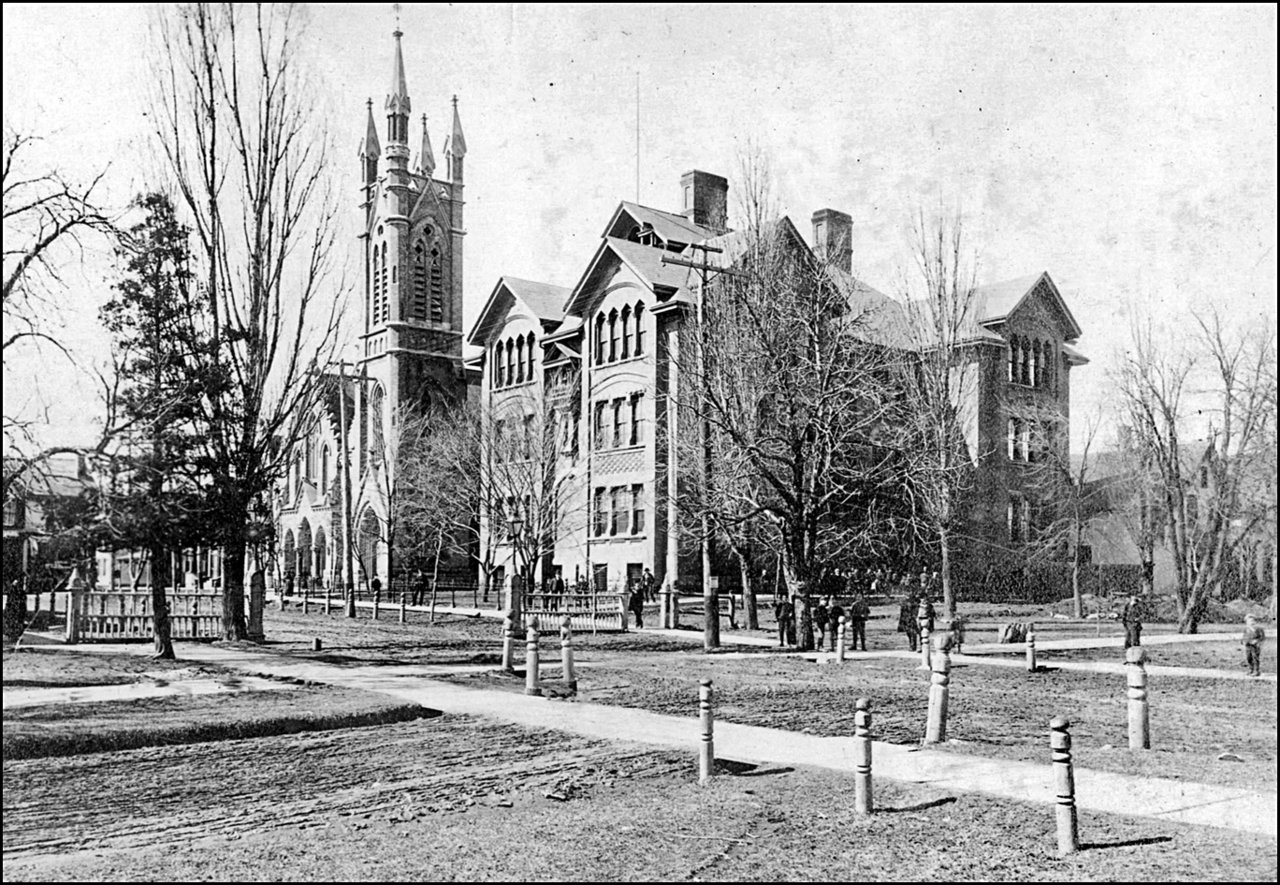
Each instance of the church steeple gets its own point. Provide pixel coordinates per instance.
(370, 149)
(426, 159)
(457, 148)
(397, 106)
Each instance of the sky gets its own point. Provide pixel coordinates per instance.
(1129, 151)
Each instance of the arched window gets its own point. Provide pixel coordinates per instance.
(324, 469)
(1033, 364)
(520, 360)
(420, 281)
(1013, 349)
(1025, 447)
(626, 332)
(496, 365)
(529, 356)
(437, 288)
(1013, 439)
(376, 418)
(599, 338)
(639, 315)
(613, 335)
(1015, 356)
(511, 363)
(383, 313)
(310, 455)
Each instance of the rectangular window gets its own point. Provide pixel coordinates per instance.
(1012, 518)
(616, 509)
(617, 423)
(637, 509)
(526, 437)
(598, 512)
(635, 420)
(598, 427)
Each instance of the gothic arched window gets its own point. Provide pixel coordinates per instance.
(496, 368)
(520, 360)
(1013, 439)
(639, 318)
(437, 288)
(420, 281)
(1013, 350)
(1033, 373)
(626, 332)
(376, 418)
(529, 356)
(511, 368)
(599, 338)
(613, 335)
(324, 469)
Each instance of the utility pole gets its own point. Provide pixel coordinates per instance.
(344, 449)
(710, 593)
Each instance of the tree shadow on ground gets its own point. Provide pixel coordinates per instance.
(920, 806)
(1126, 843)
(747, 769)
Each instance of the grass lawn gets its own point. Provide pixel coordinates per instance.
(1224, 655)
(56, 667)
(455, 798)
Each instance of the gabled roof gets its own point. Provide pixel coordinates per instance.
(995, 302)
(644, 261)
(667, 225)
(544, 301)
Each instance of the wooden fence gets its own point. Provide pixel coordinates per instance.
(592, 611)
(126, 615)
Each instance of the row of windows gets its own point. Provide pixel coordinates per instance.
(427, 293)
(1031, 362)
(619, 334)
(512, 440)
(618, 510)
(617, 423)
(513, 361)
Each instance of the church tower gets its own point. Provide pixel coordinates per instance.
(411, 342)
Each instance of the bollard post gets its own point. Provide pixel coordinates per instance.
(306, 597)
(840, 634)
(1060, 746)
(1031, 648)
(1139, 712)
(402, 609)
(939, 689)
(316, 644)
(862, 803)
(377, 599)
(531, 684)
(327, 601)
(706, 752)
(926, 653)
(566, 655)
(508, 642)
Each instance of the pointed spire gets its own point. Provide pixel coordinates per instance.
(458, 144)
(426, 160)
(370, 146)
(398, 99)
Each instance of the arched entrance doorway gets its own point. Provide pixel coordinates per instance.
(321, 560)
(369, 547)
(289, 560)
(304, 554)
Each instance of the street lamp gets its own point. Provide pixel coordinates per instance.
(516, 526)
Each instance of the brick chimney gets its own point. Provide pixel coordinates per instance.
(705, 199)
(833, 238)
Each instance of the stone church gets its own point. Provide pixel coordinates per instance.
(409, 345)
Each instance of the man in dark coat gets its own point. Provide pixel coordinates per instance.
(784, 613)
(859, 611)
(834, 613)
(637, 604)
(907, 620)
(1132, 619)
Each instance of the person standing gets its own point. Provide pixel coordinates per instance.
(636, 603)
(834, 614)
(650, 590)
(376, 586)
(820, 613)
(859, 611)
(1252, 641)
(907, 620)
(1131, 617)
(784, 613)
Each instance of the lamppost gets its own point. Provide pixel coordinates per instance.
(516, 526)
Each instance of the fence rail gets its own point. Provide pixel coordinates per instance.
(127, 614)
(592, 611)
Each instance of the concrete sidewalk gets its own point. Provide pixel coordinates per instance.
(1200, 804)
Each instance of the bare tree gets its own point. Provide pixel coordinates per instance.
(792, 387)
(47, 222)
(236, 127)
(937, 414)
(1216, 492)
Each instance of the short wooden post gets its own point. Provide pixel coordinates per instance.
(926, 653)
(508, 642)
(939, 689)
(1060, 745)
(862, 803)
(1031, 648)
(306, 597)
(531, 684)
(840, 638)
(566, 655)
(706, 752)
(75, 600)
(377, 600)
(402, 610)
(1139, 713)
(316, 644)
(328, 600)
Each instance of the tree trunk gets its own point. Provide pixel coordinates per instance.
(1077, 601)
(749, 606)
(234, 627)
(160, 626)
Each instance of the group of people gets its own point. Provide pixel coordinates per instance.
(826, 614)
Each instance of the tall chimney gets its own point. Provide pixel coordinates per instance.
(833, 238)
(705, 199)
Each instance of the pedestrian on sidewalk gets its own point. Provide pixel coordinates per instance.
(650, 587)
(1252, 642)
(820, 613)
(636, 604)
(859, 611)
(784, 613)
(834, 613)
(1131, 617)
(907, 620)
